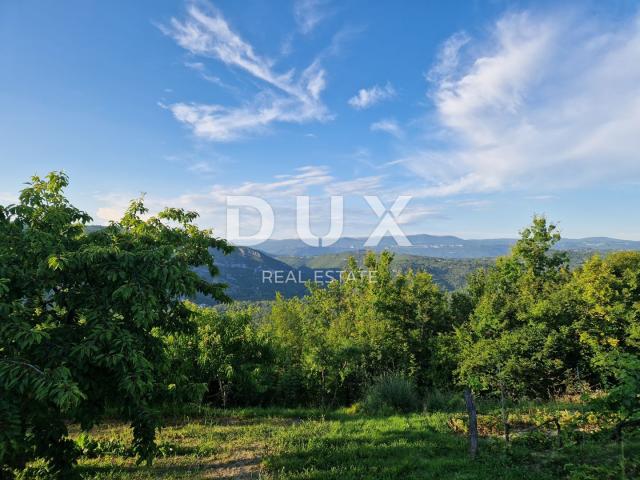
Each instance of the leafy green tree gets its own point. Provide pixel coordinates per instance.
(336, 341)
(608, 326)
(226, 353)
(83, 315)
(519, 339)
(419, 311)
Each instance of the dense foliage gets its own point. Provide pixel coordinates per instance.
(608, 328)
(83, 316)
(326, 348)
(527, 327)
(519, 339)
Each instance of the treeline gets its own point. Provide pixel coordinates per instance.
(527, 327)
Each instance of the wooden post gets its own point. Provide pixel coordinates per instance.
(505, 417)
(473, 422)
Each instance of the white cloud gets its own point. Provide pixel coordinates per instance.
(389, 126)
(413, 214)
(197, 66)
(285, 97)
(448, 57)
(112, 206)
(318, 182)
(287, 186)
(474, 204)
(546, 101)
(367, 97)
(309, 13)
(201, 167)
(359, 186)
(202, 70)
(541, 197)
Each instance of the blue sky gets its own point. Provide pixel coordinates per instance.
(484, 112)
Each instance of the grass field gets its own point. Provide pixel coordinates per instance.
(310, 444)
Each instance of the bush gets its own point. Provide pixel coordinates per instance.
(391, 393)
(92, 448)
(443, 401)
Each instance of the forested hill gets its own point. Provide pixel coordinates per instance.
(448, 273)
(242, 270)
(251, 274)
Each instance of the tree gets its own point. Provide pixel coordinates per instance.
(519, 339)
(608, 326)
(227, 354)
(338, 340)
(82, 316)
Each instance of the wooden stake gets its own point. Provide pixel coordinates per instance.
(473, 422)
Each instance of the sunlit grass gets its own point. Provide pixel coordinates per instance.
(312, 444)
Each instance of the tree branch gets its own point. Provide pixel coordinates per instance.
(25, 364)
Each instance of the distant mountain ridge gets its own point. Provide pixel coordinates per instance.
(440, 246)
(446, 246)
(250, 273)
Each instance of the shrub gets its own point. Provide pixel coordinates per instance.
(443, 401)
(92, 448)
(391, 393)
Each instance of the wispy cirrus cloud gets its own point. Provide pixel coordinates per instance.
(210, 204)
(448, 57)
(316, 181)
(415, 213)
(284, 97)
(474, 204)
(368, 97)
(309, 13)
(545, 101)
(201, 167)
(541, 198)
(359, 186)
(389, 126)
(202, 70)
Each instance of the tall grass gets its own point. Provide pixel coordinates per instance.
(391, 393)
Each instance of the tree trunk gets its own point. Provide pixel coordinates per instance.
(473, 422)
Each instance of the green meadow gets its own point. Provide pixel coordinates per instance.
(341, 445)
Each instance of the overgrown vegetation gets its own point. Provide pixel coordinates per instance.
(96, 323)
(391, 394)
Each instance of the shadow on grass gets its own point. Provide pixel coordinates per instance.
(428, 454)
(349, 447)
(228, 469)
(413, 452)
(386, 455)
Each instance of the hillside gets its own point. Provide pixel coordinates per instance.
(450, 274)
(242, 270)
